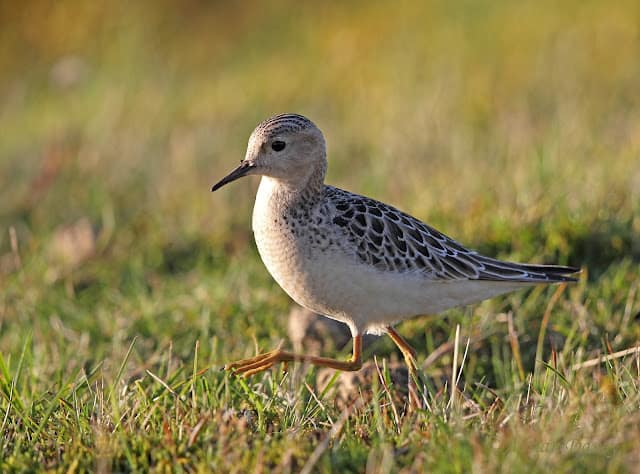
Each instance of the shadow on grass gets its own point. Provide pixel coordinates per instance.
(592, 245)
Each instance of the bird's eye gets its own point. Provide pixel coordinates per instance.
(278, 145)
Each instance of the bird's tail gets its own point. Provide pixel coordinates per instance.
(497, 270)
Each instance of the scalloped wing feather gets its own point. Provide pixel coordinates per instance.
(392, 241)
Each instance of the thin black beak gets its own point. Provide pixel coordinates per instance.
(239, 172)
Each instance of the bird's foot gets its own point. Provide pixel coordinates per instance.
(253, 365)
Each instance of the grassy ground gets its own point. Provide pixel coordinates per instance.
(124, 284)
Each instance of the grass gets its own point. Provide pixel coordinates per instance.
(125, 285)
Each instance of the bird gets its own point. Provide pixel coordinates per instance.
(353, 258)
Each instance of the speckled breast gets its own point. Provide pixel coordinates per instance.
(295, 248)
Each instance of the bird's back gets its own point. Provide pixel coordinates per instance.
(393, 241)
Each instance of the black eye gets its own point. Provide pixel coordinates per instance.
(278, 145)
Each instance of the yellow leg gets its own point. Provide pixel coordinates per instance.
(409, 355)
(253, 365)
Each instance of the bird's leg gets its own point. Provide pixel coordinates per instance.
(253, 365)
(409, 355)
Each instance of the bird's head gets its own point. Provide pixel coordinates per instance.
(286, 147)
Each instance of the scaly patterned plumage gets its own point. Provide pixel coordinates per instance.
(390, 240)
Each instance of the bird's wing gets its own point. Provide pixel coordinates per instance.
(390, 240)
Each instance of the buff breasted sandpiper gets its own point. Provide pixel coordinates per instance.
(352, 258)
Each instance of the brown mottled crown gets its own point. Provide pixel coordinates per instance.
(283, 123)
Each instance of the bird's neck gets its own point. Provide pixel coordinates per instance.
(286, 193)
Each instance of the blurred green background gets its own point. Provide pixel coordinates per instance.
(514, 127)
(482, 117)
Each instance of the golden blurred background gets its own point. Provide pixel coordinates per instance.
(513, 127)
(482, 117)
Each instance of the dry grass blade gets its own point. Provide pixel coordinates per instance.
(454, 370)
(162, 382)
(601, 359)
(396, 418)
